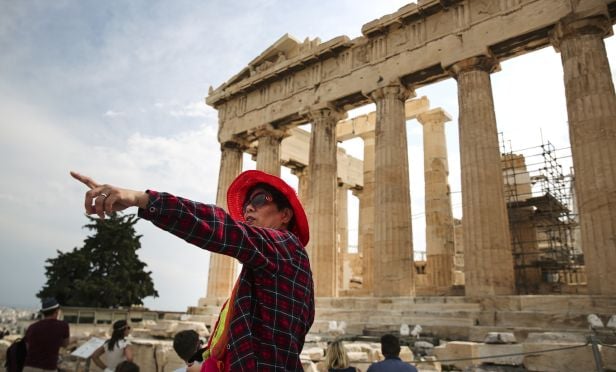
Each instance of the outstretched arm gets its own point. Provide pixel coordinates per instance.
(106, 199)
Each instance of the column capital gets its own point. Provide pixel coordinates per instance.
(395, 89)
(567, 28)
(482, 63)
(437, 115)
(238, 144)
(269, 131)
(297, 169)
(328, 112)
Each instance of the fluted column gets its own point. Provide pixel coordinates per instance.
(393, 243)
(342, 235)
(222, 268)
(322, 170)
(488, 261)
(439, 218)
(268, 153)
(366, 215)
(591, 109)
(302, 183)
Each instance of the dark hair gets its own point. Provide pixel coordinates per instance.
(118, 333)
(127, 366)
(186, 343)
(390, 345)
(280, 200)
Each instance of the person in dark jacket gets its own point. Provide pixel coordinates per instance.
(44, 339)
(390, 347)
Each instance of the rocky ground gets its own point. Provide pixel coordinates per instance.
(541, 351)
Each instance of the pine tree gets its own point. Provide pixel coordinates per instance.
(105, 272)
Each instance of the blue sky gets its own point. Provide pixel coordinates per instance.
(115, 90)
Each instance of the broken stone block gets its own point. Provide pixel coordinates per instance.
(457, 350)
(406, 354)
(309, 366)
(486, 350)
(166, 358)
(164, 328)
(198, 327)
(423, 348)
(358, 356)
(313, 353)
(500, 338)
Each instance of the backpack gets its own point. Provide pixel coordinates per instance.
(16, 356)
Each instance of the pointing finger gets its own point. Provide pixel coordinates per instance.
(85, 180)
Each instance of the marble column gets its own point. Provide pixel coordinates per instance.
(222, 274)
(591, 109)
(366, 215)
(393, 243)
(268, 152)
(302, 183)
(322, 170)
(342, 236)
(439, 218)
(488, 261)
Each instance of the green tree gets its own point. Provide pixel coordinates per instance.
(105, 272)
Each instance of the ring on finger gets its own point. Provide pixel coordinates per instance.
(104, 195)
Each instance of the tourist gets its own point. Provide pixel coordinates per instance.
(115, 350)
(188, 346)
(127, 366)
(390, 347)
(336, 358)
(271, 307)
(44, 339)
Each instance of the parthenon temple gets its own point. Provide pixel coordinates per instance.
(293, 83)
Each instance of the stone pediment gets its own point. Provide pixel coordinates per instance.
(286, 52)
(286, 47)
(283, 49)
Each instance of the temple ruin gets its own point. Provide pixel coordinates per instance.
(487, 263)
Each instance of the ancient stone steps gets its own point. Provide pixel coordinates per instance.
(464, 318)
(478, 333)
(544, 319)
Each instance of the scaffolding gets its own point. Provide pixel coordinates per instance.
(542, 219)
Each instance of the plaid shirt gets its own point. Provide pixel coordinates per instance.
(274, 305)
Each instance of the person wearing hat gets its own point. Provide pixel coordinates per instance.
(263, 324)
(44, 339)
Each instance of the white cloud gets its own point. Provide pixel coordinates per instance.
(112, 114)
(194, 109)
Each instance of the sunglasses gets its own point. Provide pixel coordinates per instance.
(258, 200)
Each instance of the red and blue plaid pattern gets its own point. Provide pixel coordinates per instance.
(274, 305)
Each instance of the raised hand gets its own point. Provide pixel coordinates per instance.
(106, 199)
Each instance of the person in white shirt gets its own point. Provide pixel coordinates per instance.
(116, 349)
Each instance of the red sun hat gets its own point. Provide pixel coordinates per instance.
(236, 195)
